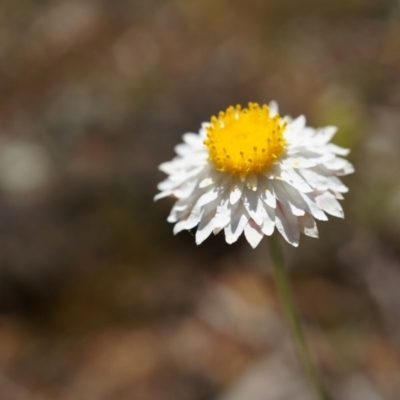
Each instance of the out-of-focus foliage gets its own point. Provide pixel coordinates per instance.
(98, 300)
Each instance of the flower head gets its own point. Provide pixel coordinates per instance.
(250, 171)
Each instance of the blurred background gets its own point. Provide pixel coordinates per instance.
(98, 299)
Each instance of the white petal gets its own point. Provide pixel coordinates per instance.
(265, 191)
(183, 149)
(168, 167)
(236, 191)
(336, 164)
(206, 182)
(338, 195)
(223, 213)
(297, 123)
(333, 148)
(324, 135)
(308, 226)
(186, 189)
(329, 204)
(210, 176)
(268, 225)
(208, 219)
(205, 227)
(289, 197)
(183, 211)
(273, 172)
(193, 139)
(287, 225)
(203, 130)
(251, 182)
(166, 185)
(187, 224)
(299, 161)
(180, 210)
(183, 204)
(347, 169)
(162, 195)
(238, 222)
(294, 179)
(253, 206)
(314, 208)
(337, 185)
(182, 177)
(269, 198)
(207, 197)
(273, 108)
(253, 234)
(323, 179)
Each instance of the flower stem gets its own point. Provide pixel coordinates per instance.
(284, 289)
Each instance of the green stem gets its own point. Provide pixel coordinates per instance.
(283, 285)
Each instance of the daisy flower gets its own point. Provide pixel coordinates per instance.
(251, 171)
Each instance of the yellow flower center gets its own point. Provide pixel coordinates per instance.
(242, 141)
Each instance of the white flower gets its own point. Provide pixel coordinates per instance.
(251, 171)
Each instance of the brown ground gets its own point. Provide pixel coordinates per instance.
(98, 300)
